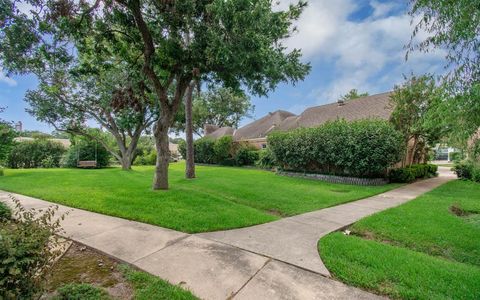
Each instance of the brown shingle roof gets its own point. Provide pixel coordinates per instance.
(375, 106)
(222, 131)
(261, 127)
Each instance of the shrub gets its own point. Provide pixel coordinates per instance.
(28, 250)
(265, 159)
(224, 151)
(81, 291)
(34, 154)
(204, 151)
(456, 156)
(182, 149)
(147, 158)
(403, 175)
(467, 170)
(5, 212)
(85, 150)
(365, 148)
(246, 155)
(413, 172)
(1, 172)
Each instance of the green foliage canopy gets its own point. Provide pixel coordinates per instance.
(236, 42)
(223, 107)
(454, 26)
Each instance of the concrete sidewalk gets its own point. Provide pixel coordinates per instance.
(294, 240)
(277, 260)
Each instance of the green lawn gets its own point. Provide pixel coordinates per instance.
(419, 250)
(149, 287)
(220, 198)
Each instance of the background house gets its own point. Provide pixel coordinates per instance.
(375, 106)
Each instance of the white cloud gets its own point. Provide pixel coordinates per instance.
(382, 9)
(361, 51)
(9, 81)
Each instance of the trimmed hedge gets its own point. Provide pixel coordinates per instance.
(365, 148)
(413, 172)
(204, 151)
(246, 155)
(39, 153)
(224, 151)
(266, 160)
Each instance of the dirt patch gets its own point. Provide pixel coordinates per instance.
(81, 264)
(471, 217)
(275, 212)
(458, 211)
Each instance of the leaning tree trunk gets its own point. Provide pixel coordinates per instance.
(190, 160)
(160, 180)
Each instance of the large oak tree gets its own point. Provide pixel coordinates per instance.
(234, 42)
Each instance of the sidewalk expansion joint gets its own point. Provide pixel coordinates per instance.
(249, 279)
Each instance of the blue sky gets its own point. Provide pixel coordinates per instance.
(350, 44)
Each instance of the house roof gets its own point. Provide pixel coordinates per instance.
(261, 127)
(222, 131)
(375, 106)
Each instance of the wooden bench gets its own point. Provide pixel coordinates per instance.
(87, 164)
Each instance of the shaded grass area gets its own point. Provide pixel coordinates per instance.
(428, 248)
(83, 273)
(220, 198)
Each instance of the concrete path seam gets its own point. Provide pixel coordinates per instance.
(169, 244)
(250, 279)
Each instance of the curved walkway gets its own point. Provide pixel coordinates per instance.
(294, 240)
(277, 260)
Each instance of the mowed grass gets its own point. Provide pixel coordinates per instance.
(220, 198)
(428, 248)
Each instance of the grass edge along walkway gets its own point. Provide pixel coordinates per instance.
(382, 256)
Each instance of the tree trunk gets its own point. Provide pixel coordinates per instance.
(190, 160)
(160, 180)
(126, 161)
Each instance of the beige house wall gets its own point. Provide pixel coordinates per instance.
(259, 143)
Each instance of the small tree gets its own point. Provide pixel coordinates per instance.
(222, 106)
(414, 103)
(116, 98)
(353, 94)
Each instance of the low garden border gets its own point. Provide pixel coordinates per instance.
(335, 179)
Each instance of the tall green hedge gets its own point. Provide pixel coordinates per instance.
(39, 153)
(223, 151)
(365, 148)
